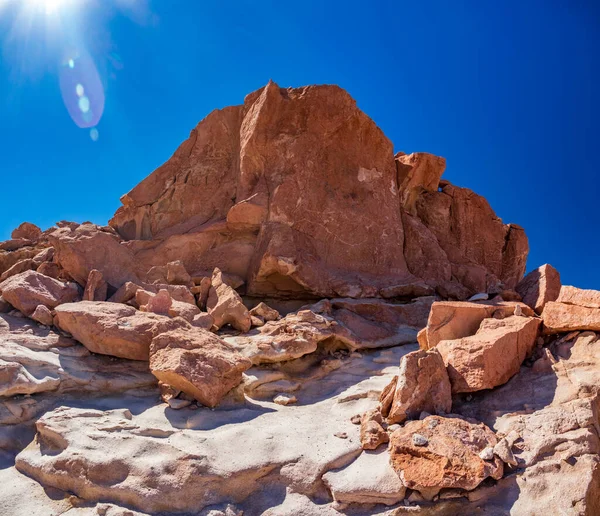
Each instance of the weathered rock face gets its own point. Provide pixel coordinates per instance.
(447, 456)
(492, 356)
(298, 192)
(540, 286)
(113, 329)
(28, 290)
(198, 363)
(28, 231)
(421, 386)
(563, 317)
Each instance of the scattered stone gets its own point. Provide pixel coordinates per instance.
(284, 399)
(420, 440)
(481, 296)
(21, 266)
(177, 404)
(356, 419)
(256, 321)
(503, 450)
(341, 435)
(487, 453)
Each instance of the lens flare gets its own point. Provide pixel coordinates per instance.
(82, 90)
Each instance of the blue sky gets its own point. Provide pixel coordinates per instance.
(505, 91)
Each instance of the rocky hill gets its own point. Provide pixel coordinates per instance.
(287, 318)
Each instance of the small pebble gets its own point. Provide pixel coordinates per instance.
(285, 399)
(393, 428)
(487, 453)
(423, 415)
(420, 440)
(518, 310)
(176, 403)
(341, 435)
(433, 423)
(356, 419)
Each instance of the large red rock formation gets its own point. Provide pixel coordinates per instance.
(298, 192)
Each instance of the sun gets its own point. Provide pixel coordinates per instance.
(49, 6)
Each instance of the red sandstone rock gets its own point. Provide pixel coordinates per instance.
(578, 296)
(51, 269)
(417, 172)
(198, 363)
(95, 287)
(372, 433)
(29, 289)
(453, 320)
(246, 193)
(492, 356)
(21, 266)
(79, 249)
(113, 329)
(481, 248)
(43, 315)
(28, 231)
(563, 317)
(450, 459)
(225, 305)
(422, 385)
(540, 286)
(265, 312)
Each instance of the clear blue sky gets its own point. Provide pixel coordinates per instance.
(506, 91)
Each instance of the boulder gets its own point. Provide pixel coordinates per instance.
(265, 312)
(422, 385)
(51, 269)
(113, 329)
(453, 320)
(198, 363)
(96, 288)
(226, 306)
(81, 248)
(563, 317)
(162, 303)
(490, 357)
(21, 266)
(46, 255)
(449, 459)
(29, 289)
(540, 286)
(578, 296)
(28, 231)
(43, 315)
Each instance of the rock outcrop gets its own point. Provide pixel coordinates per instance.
(259, 192)
(287, 318)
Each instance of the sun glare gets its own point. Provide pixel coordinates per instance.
(50, 6)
